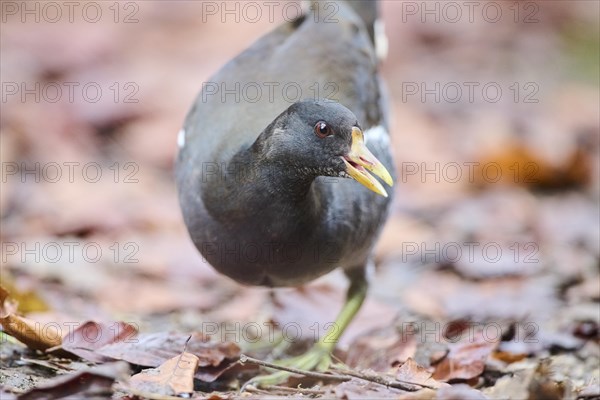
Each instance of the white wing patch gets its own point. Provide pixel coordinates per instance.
(181, 139)
(377, 134)
(381, 40)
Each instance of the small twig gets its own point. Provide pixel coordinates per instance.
(337, 359)
(14, 390)
(284, 390)
(253, 389)
(295, 390)
(186, 343)
(46, 364)
(59, 347)
(382, 380)
(342, 378)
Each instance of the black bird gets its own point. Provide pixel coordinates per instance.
(261, 173)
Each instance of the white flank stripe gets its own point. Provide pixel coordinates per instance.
(181, 139)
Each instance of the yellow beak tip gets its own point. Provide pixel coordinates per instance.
(388, 180)
(360, 155)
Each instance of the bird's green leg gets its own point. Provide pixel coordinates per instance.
(319, 356)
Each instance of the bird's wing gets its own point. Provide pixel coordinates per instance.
(325, 54)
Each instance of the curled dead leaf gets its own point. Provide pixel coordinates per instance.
(411, 372)
(91, 336)
(381, 349)
(509, 357)
(522, 167)
(153, 349)
(34, 335)
(466, 358)
(174, 377)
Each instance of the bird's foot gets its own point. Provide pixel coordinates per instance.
(318, 358)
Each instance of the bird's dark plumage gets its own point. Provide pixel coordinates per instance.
(264, 194)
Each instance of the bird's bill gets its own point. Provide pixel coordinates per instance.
(360, 159)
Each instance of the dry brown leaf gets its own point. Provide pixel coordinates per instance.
(412, 372)
(33, 334)
(152, 350)
(91, 336)
(76, 385)
(381, 349)
(514, 298)
(466, 358)
(519, 166)
(26, 296)
(509, 357)
(174, 377)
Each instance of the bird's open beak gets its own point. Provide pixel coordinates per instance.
(361, 159)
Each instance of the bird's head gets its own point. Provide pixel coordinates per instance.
(323, 138)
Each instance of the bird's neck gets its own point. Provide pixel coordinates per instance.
(252, 188)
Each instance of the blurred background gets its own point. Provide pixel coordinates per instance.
(495, 132)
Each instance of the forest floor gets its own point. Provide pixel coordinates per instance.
(486, 280)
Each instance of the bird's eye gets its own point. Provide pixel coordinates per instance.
(322, 129)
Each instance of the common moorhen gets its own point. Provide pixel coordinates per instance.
(263, 156)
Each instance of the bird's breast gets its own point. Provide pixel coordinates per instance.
(253, 258)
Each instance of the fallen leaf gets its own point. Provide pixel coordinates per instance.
(381, 349)
(229, 367)
(91, 336)
(523, 168)
(33, 334)
(81, 384)
(153, 349)
(455, 297)
(411, 372)
(173, 377)
(24, 295)
(466, 358)
(509, 357)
